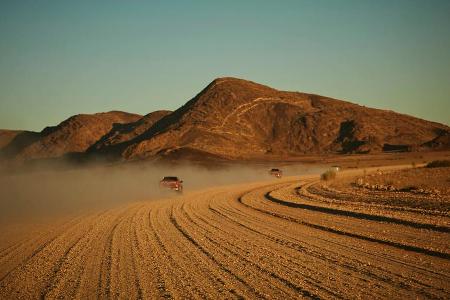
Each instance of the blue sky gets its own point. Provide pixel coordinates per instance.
(60, 58)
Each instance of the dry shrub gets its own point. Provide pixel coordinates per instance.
(439, 164)
(390, 182)
(409, 188)
(328, 175)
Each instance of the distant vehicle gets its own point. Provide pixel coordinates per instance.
(335, 168)
(172, 182)
(276, 172)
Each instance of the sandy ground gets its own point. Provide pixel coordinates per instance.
(414, 188)
(286, 239)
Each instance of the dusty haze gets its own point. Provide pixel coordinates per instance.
(40, 194)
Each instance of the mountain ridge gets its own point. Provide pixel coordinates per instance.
(218, 114)
(75, 134)
(233, 118)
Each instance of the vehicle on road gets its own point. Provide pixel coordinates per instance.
(276, 172)
(172, 182)
(335, 168)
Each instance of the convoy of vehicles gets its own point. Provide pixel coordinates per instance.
(172, 182)
(175, 184)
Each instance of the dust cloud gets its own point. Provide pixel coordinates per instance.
(50, 193)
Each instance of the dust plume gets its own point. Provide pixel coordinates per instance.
(45, 192)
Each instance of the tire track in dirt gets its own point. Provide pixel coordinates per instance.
(285, 242)
(45, 263)
(354, 235)
(437, 275)
(70, 268)
(26, 249)
(240, 252)
(294, 218)
(247, 254)
(280, 238)
(309, 254)
(194, 256)
(57, 268)
(222, 267)
(312, 193)
(78, 263)
(363, 216)
(405, 233)
(288, 262)
(156, 259)
(104, 278)
(232, 242)
(124, 280)
(414, 236)
(278, 234)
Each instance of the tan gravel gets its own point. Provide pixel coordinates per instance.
(275, 240)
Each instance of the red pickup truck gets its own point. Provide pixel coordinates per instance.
(276, 172)
(172, 182)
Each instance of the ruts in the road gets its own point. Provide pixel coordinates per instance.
(230, 242)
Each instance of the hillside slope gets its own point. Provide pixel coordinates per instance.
(235, 118)
(128, 131)
(6, 136)
(73, 135)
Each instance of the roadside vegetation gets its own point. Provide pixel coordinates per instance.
(438, 164)
(328, 175)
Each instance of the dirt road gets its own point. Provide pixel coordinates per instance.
(261, 240)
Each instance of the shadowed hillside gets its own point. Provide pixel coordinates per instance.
(235, 118)
(121, 133)
(73, 135)
(6, 136)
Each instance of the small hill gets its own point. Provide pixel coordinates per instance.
(73, 135)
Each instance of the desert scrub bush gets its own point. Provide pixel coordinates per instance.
(390, 182)
(439, 164)
(328, 175)
(409, 188)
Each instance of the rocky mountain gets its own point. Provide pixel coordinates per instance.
(239, 119)
(73, 135)
(235, 119)
(441, 142)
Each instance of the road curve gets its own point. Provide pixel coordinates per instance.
(261, 240)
